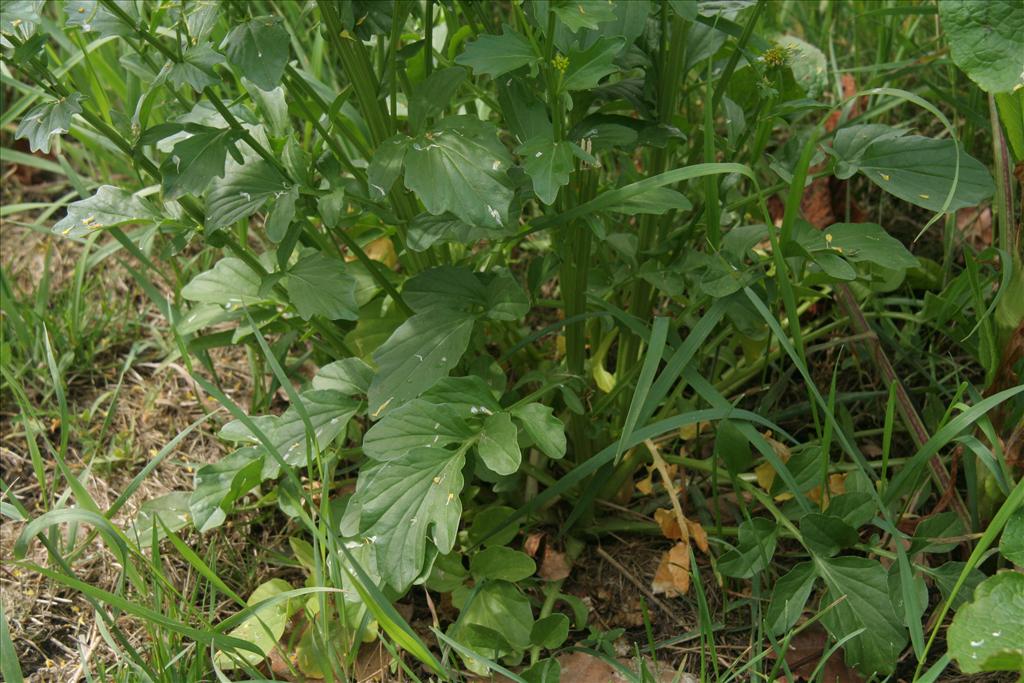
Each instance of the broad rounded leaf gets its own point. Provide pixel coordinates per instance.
(264, 627)
(110, 206)
(498, 445)
(789, 597)
(498, 606)
(414, 425)
(550, 632)
(986, 38)
(196, 161)
(401, 501)
(1011, 545)
(867, 605)
(421, 351)
(319, 285)
(46, 120)
(259, 48)
(459, 166)
(549, 164)
(497, 55)
(921, 170)
(350, 376)
(586, 69)
(244, 190)
(218, 485)
(826, 535)
(498, 562)
(546, 430)
(988, 633)
(229, 283)
(196, 68)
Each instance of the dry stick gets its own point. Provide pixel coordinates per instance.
(666, 479)
(906, 409)
(642, 588)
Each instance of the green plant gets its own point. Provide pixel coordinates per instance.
(516, 242)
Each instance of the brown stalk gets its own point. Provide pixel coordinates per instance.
(906, 409)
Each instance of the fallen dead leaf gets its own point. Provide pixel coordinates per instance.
(698, 535)
(666, 519)
(669, 524)
(976, 226)
(380, 249)
(580, 667)
(805, 652)
(373, 664)
(554, 566)
(673, 575)
(532, 543)
(836, 486)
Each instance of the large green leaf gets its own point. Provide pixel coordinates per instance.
(498, 446)
(421, 351)
(756, 546)
(863, 586)
(789, 596)
(844, 243)
(425, 230)
(433, 95)
(506, 564)
(498, 607)
(916, 169)
(1011, 545)
(259, 48)
(264, 627)
(586, 68)
(400, 502)
(986, 38)
(504, 297)
(825, 535)
(245, 188)
(386, 165)
(416, 424)
(319, 285)
(655, 201)
(44, 121)
(229, 283)
(549, 164)
(196, 161)
(988, 633)
(350, 376)
(460, 166)
(218, 485)
(328, 411)
(452, 288)
(196, 68)
(546, 430)
(577, 14)
(497, 55)
(110, 206)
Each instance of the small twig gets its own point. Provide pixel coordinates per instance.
(908, 413)
(666, 479)
(642, 588)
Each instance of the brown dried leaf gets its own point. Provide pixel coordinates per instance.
(699, 536)
(806, 650)
(673, 575)
(580, 667)
(836, 486)
(976, 225)
(666, 519)
(646, 485)
(554, 566)
(532, 543)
